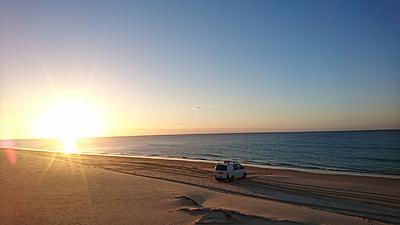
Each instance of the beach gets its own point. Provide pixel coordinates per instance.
(38, 187)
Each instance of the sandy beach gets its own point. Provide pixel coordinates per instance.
(57, 188)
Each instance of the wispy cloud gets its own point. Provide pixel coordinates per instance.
(198, 108)
(180, 126)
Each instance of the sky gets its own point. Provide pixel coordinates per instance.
(161, 67)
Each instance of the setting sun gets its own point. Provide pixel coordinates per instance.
(69, 120)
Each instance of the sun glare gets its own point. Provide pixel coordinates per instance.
(69, 144)
(69, 121)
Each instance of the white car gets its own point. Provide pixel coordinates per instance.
(229, 170)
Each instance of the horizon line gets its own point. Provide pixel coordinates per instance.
(219, 133)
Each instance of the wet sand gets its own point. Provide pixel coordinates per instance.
(56, 188)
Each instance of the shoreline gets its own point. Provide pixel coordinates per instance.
(298, 169)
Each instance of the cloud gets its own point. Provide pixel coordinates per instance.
(180, 126)
(198, 108)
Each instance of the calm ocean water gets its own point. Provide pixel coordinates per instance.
(354, 151)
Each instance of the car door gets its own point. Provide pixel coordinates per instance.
(240, 170)
(236, 171)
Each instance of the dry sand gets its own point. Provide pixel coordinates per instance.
(55, 188)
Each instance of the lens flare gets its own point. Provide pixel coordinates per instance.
(8, 146)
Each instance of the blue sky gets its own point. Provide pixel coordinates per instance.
(204, 66)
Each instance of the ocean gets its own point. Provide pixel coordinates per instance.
(376, 152)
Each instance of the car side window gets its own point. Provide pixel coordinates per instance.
(235, 167)
(241, 167)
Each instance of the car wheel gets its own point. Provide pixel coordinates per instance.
(244, 175)
(232, 178)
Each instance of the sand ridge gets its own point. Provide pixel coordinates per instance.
(214, 216)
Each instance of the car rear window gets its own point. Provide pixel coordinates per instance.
(221, 167)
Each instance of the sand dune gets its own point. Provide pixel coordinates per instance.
(53, 188)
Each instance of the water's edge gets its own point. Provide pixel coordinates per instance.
(359, 152)
(306, 170)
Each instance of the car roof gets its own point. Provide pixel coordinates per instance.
(227, 163)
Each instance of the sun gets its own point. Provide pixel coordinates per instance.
(68, 121)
